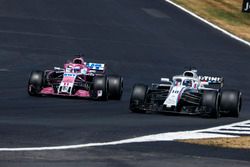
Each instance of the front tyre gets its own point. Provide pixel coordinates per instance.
(231, 101)
(36, 82)
(210, 101)
(138, 97)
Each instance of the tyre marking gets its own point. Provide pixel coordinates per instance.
(4, 70)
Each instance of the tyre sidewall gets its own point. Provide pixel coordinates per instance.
(115, 87)
(36, 82)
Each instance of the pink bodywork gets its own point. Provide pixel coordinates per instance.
(50, 91)
(47, 91)
(68, 79)
(71, 67)
(82, 93)
(74, 66)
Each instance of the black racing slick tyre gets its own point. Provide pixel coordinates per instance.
(231, 101)
(138, 97)
(210, 101)
(35, 84)
(101, 84)
(115, 87)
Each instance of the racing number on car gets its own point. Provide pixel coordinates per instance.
(175, 91)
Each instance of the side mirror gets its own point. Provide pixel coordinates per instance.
(165, 80)
(58, 68)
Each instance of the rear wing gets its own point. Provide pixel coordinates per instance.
(212, 82)
(96, 67)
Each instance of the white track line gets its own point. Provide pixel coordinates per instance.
(209, 23)
(169, 136)
(231, 132)
(150, 138)
(238, 128)
(226, 126)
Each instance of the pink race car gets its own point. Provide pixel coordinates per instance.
(77, 79)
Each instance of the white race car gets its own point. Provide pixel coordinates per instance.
(187, 94)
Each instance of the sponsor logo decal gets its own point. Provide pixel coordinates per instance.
(210, 79)
(69, 75)
(95, 66)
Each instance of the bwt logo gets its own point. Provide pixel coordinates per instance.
(246, 6)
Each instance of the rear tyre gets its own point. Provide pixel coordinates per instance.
(36, 82)
(231, 101)
(115, 87)
(138, 97)
(100, 84)
(210, 101)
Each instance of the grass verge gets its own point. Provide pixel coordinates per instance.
(237, 142)
(224, 13)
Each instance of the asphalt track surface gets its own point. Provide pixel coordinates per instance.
(141, 40)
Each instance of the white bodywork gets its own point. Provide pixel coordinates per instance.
(174, 96)
(180, 84)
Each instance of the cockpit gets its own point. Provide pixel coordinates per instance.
(73, 68)
(183, 82)
(187, 82)
(76, 66)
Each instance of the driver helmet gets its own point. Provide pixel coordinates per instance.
(187, 82)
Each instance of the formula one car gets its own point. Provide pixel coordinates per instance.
(78, 79)
(187, 94)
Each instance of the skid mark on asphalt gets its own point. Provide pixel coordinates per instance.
(3, 70)
(240, 128)
(155, 13)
